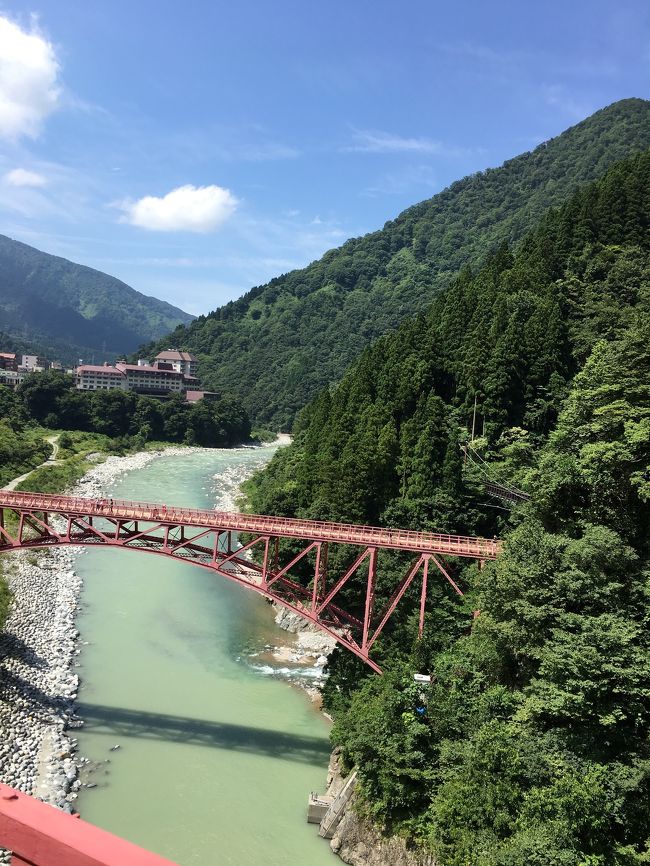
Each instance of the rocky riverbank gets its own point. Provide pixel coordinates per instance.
(308, 654)
(358, 842)
(38, 683)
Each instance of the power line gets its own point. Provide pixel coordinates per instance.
(495, 488)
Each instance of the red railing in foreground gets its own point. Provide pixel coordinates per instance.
(208, 539)
(40, 835)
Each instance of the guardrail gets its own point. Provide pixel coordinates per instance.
(288, 527)
(41, 835)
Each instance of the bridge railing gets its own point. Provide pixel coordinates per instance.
(390, 538)
(40, 835)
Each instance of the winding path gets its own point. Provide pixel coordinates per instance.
(51, 461)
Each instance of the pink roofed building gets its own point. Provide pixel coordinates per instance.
(182, 362)
(8, 361)
(142, 378)
(195, 396)
(145, 379)
(96, 377)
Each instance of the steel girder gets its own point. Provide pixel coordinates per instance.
(209, 540)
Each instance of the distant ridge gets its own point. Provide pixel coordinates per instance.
(67, 311)
(280, 343)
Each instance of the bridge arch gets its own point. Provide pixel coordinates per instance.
(208, 539)
(229, 575)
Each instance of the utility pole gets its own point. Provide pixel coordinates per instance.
(474, 417)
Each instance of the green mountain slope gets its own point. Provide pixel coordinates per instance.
(68, 311)
(531, 744)
(280, 343)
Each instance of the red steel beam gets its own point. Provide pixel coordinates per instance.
(370, 598)
(423, 596)
(284, 527)
(342, 581)
(448, 577)
(395, 599)
(40, 835)
(316, 604)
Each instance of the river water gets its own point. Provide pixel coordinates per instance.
(216, 758)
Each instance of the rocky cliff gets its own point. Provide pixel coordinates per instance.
(359, 843)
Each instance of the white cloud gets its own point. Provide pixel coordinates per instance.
(29, 88)
(186, 208)
(398, 183)
(558, 96)
(376, 141)
(23, 177)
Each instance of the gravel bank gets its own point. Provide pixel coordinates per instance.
(38, 650)
(38, 683)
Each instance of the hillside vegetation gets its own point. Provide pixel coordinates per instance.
(51, 400)
(67, 311)
(281, 343)
(531, 744)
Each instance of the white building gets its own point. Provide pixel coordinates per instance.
(34, 363)
(91, 377)
(182, 362)
(141, 378)
(151, 380)
(12, 378)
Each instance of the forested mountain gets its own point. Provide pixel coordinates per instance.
(531, 744)
(68, 311)
(280, 343)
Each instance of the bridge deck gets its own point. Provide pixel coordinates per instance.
(286, 527)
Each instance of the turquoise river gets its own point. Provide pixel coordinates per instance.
(216, 754)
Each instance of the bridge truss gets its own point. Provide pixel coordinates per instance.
(210, 539)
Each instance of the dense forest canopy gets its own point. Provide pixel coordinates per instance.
(281, 343)
(531, 744)
(67, 311)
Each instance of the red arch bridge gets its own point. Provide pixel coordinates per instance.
(209, 539)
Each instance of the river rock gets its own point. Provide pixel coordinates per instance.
(38, 686)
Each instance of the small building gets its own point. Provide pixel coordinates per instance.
(195, 396)
(182, 362)
(12, 378)
(34, 363)
(95, 377)
(8, 361)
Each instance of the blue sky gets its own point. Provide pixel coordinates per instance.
(197, 149)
